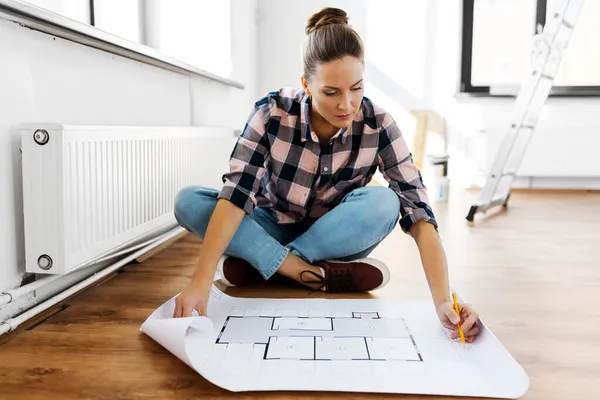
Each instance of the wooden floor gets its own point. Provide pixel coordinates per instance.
(532, 272)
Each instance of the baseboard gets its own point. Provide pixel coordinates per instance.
(542, 182)
(523, 182)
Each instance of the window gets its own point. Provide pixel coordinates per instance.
(120, 18)
(78, 10)
(497, 40)
(196, 32)
(193, 31)
(581, 61)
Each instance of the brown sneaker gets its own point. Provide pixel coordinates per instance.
(238, 272)
(350, 276)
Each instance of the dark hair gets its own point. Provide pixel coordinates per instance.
(329, 38)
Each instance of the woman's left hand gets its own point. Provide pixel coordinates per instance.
(450, 319)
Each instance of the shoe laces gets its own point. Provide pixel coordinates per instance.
(339, 279)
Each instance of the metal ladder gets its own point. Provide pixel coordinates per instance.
(548, 49)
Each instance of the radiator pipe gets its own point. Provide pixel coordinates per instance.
(9, 296)
(13, 323)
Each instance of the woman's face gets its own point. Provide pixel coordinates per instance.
(337, 90)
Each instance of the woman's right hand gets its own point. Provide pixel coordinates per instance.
(193, 297)
(224, 221)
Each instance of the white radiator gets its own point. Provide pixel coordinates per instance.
(90, 190)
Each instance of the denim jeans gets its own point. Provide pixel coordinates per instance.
(349, 231)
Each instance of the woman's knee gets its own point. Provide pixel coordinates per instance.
(383, 204)
(193, 203)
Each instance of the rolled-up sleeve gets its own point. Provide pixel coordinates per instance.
(404, 178)
(246, 163)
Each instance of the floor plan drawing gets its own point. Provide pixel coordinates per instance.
(349, 345)
(361, 336)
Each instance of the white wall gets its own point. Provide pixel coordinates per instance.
(398, 58)
(48, 79)
(244, 50)
(413, 62)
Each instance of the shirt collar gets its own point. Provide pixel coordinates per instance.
(306, 129)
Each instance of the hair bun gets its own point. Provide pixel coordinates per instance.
(327, 16)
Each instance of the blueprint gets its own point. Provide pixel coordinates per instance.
(349, 345)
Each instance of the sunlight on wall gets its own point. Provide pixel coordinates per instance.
(403, 118)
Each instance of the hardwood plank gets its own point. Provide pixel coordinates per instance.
(161, 247)
(531, 272)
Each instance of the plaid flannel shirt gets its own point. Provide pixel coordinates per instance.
(278, 163)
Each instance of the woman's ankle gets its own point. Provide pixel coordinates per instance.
(295, 268)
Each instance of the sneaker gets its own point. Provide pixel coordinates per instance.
(350, 276)
(238, 272)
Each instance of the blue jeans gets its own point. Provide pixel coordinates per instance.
(349, 231)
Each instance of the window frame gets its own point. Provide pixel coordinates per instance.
(92, 14)
(465, 86)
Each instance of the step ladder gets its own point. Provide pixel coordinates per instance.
(548, 48)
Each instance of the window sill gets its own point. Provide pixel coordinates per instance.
(556, 92)
(57, 25)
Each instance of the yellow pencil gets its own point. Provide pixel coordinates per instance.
(460, 331)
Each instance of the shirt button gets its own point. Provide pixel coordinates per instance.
(325, 169)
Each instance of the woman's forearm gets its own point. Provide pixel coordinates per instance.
(224, 222)
(433, 259)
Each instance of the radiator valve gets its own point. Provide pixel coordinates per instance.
(45, 262)
(41, 136)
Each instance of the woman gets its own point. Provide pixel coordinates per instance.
(295, 201)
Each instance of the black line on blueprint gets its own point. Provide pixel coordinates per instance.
(267, 348)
